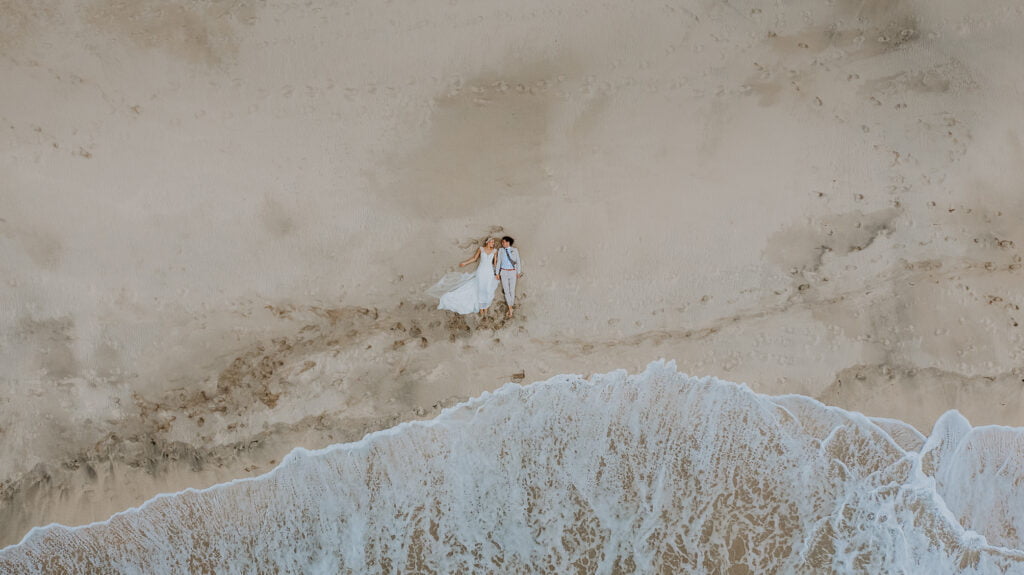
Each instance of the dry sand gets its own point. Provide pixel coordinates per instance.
(217, 220)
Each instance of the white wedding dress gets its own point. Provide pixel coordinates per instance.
(467, 292)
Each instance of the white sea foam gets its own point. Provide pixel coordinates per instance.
(652, 473)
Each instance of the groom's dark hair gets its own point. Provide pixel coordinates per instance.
(508, 239)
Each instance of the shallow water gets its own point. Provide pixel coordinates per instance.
(650, 473)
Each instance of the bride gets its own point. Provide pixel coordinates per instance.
(468, 292)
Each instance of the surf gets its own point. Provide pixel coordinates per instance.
(655, 472)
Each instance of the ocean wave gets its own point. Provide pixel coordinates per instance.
(656, 472)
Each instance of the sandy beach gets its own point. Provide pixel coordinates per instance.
(218, 220)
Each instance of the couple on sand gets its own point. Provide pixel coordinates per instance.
(466, 293)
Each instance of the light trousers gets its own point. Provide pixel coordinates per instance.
(508, 285)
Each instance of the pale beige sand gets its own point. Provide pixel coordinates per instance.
(217, 219)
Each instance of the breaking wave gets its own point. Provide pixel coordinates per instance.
(650, 473)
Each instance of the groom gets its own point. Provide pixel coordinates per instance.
(510, 268)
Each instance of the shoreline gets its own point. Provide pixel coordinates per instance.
(379, 378)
